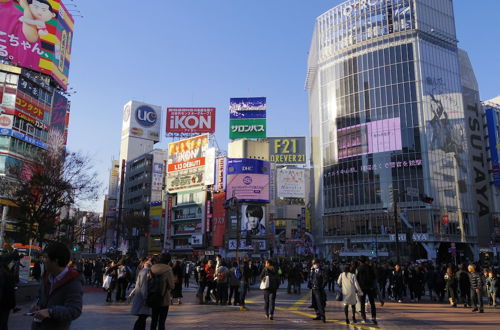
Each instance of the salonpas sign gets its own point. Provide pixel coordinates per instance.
(247, 128)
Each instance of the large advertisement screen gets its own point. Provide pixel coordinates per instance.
(369, 138)
(190, 120)
(186, 163)
(253, 219)
(142, 121)
(247, 117)
(37, 35)
(248, 179)
(291, 183)
(287, 150)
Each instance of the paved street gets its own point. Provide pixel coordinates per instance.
(292, 313)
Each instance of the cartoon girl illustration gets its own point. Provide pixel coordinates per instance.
(36, 14)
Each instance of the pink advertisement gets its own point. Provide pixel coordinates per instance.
(248, 186)
(368, 138)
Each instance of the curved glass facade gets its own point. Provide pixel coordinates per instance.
(388, 124)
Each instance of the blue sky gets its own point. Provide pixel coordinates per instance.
(201, 53)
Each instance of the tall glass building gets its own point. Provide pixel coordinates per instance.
(391, 99)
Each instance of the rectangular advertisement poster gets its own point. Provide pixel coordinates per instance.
(219, 220)
(287, 150)
(253, 219)
(141, 120)
(248, 179)
(494, 144)
(190, 120)
(37, 35)
(291, 183)
(247, 117)
(186, 163)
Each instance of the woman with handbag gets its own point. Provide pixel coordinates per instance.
(350, 289)
(269, 282)
(110, 276)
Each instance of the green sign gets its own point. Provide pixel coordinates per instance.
(247, 128)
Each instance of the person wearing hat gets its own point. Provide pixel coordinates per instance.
(317, 282)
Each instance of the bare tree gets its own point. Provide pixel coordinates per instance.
(54, 179)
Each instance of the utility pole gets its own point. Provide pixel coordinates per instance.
(395, 203)
(5, 210)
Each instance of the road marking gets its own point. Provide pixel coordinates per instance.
(295, 306)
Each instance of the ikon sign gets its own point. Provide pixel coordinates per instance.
(190, 120)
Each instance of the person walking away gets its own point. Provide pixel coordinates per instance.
(245, 282)
(187, 273)
(61, 291)
(234, 284)
(350, 289)
(88, 269)
(365, 276)
(463, 285)
(121, 281)
(221, 278)
(111, 271)
(451, 286)
(270, 292)
(492, 287)
(178, 271)
(98, 269)
(140, 294)
(7, 291)
(201, 280)
(381, 275)
(476, 286)
(210, 274)
(317, 282)
(165, 277)
(397, 282)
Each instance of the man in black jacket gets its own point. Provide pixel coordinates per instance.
(476, 288)
(317, 282)
(366, 279)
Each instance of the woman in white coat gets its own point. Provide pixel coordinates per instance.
(350, 288)
(139, 294)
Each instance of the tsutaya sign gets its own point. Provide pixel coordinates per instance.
(350, 7)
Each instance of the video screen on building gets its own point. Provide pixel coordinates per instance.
(368, 138)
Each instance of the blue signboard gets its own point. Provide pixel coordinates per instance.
(23, 137)
(247, 166)
(247, 108)
(493, 141)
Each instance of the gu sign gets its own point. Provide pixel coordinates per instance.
(190, 120)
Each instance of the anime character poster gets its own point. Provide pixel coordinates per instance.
(37, 35)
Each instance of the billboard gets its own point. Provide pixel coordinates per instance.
(190, 120)
(220, 174)
(494, 143)
(253, 219)
(368, 138)
(37, 36)
(287, 150)
(291, 183)
(155, 213)
(30, 105)
(248, 179)
(219, 220)
(141, 120)
(247, 117)
(186, 163)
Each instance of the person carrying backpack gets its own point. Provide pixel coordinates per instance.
(160, 282)
(221, 277)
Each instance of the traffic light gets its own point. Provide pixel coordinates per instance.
(74, 248)
(426, 199)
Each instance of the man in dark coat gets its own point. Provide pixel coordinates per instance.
(317, 282)
(365, 274)
(7, 291)
(60, 293)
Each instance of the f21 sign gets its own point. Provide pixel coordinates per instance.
(190, 120)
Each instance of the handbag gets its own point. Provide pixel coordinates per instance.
(264, 283)
(107, 282)
(339, 296)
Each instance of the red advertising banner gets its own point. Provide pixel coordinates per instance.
(24, 103)
(219, 220)
(190, 120)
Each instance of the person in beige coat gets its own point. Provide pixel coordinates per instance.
(166, 275)
(350, 290)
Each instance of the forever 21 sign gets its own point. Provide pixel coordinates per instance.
(287, 150)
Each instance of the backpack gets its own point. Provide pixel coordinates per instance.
(237, 273)
(155, 295)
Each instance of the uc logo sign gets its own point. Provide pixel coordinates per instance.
(145, 116)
